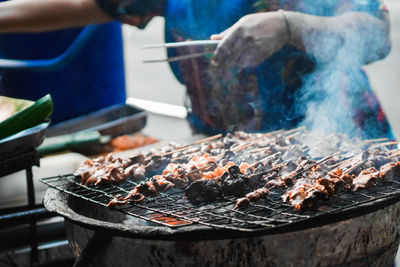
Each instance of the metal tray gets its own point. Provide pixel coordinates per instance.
(115, 120)
(23, 141)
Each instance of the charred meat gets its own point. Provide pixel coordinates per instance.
(234, 182)
(203, 191)
(257, 194)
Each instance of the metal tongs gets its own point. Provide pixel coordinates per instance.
(209, 47)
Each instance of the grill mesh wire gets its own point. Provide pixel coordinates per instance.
(172, 210)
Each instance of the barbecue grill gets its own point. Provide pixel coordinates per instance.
(351, 227)
(358, 228)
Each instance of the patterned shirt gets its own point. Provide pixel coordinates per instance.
(286, 90)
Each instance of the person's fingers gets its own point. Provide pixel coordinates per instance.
(221, 35)
(223, 50)
(217, 36)
(228, 50)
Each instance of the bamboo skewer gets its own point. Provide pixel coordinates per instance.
(292, 135)
(268, 171)
(208, 139)
(342, 163)
(385, 144)
(274, 132)
(318, 142)
(337, 165)
(395, 155)
(241, 147)
(199, 169)
(191, 145)
(183, 148)
(301, 128)
(376, 140)
(176, 150)
(220, 156)
(349, 161)
(395, 150)
(315, 164)
(255, 140)
(258, 149)
(352, 168)
(270, 156)
(271, 141)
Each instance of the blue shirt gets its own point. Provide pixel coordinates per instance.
(286, 90)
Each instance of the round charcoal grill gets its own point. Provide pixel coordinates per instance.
(355, 229)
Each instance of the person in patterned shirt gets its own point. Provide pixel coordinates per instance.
(280, 63)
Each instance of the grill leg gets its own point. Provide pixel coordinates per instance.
(96, 244)
(34, 257)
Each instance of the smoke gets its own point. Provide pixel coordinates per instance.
(337, 92)
(331, 99)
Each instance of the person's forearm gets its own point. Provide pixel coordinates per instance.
(356, 36)
(46, 15)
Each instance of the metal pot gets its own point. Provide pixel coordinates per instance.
(112, 239)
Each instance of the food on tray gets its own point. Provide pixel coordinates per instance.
(116, 144)
(9, 106)
(26, 114)
(126, 142)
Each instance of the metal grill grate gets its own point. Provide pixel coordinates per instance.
(172, 210)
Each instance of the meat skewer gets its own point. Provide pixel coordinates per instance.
(355, 166)
(191, 145)
(370, 177)
(219, 166)
(244, 202)
(315, 164)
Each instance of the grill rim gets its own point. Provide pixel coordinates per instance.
(57, 201)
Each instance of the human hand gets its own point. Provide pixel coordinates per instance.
(251, 40)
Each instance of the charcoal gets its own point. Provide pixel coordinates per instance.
(234, 182)
(235, 186)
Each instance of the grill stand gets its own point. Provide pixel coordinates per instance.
(94, 246)
(367, 240)
(21, 215)
(32, 224)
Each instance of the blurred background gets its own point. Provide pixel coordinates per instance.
(142, 82)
